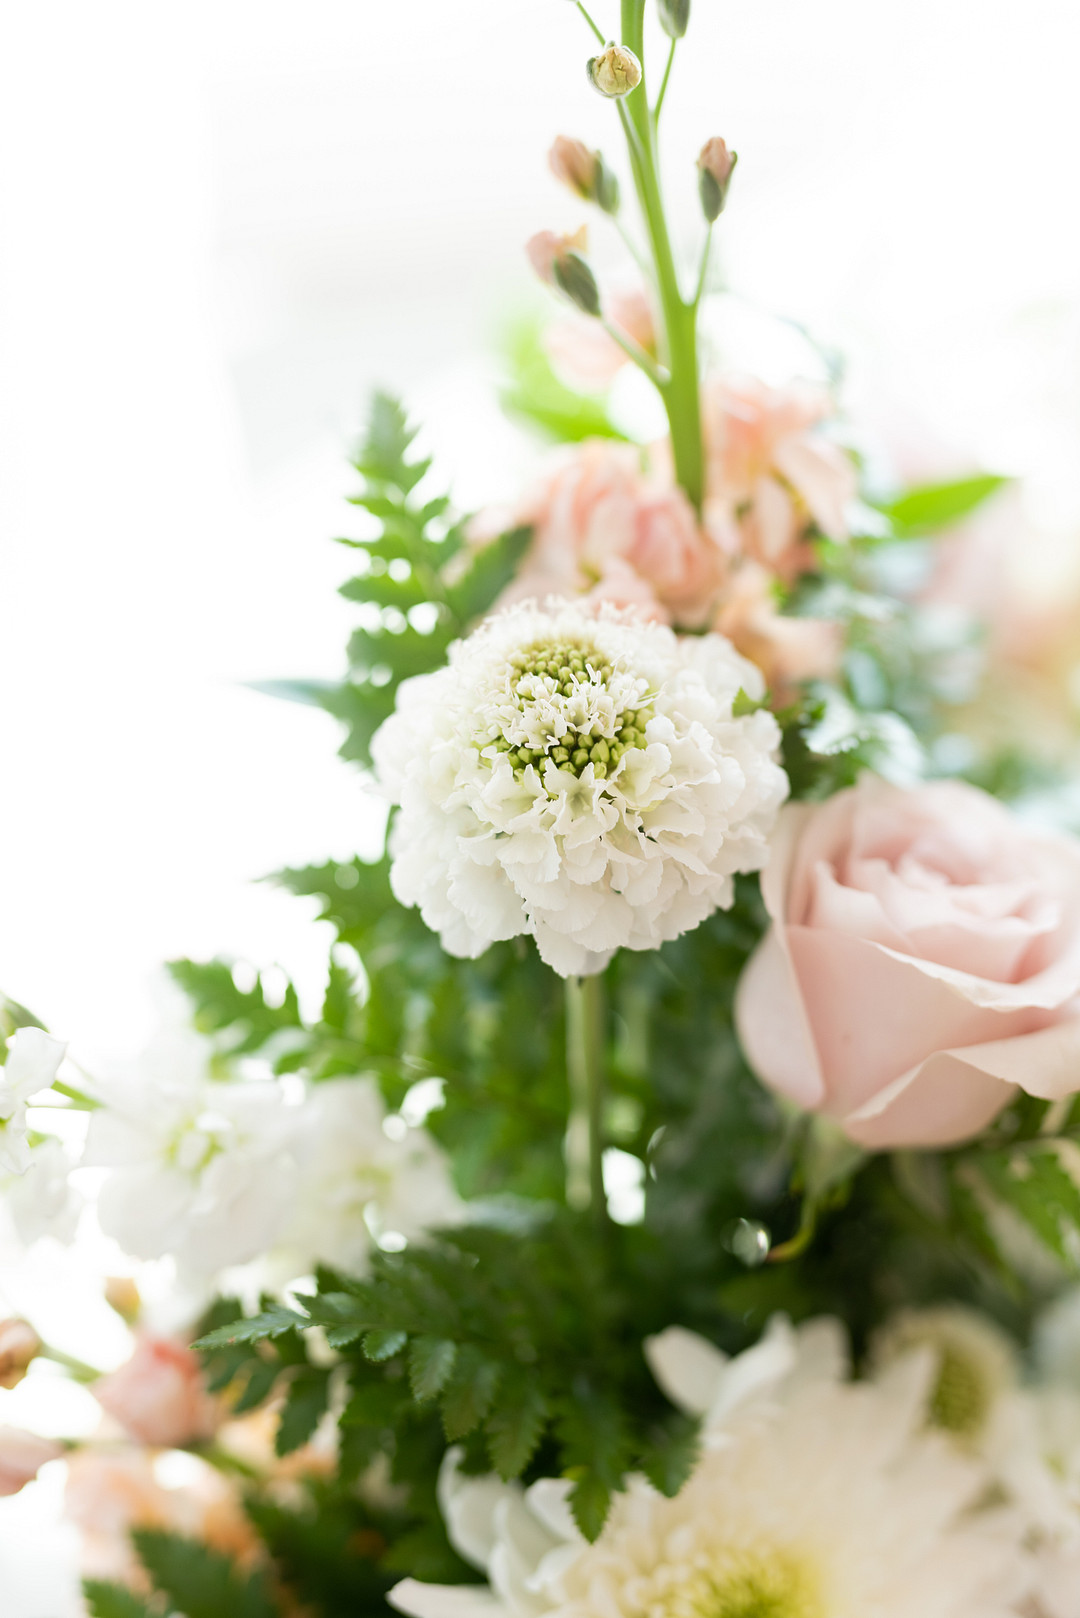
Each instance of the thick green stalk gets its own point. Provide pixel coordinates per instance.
(681, 392)
(584, 1071)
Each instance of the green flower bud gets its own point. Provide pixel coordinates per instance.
(715, 165)
(584, 172)
(574, 277)
(674, 17)
(615, 72)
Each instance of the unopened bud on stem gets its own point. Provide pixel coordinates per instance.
(674, 17)
(19, 1344)
(558, 262)
(615, 72)
(716, 165)
(584, 172)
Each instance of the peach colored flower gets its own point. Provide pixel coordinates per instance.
(572, 163)
(923, 962)
(22, 1455)
(787, 650)
(602, 529)
(19, 1345)
(159, 1396)
(546, 246)
(582, 352)
(770, 475)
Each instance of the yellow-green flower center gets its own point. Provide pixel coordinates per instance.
(745, 1583)
(961, 1400)
(568, 690)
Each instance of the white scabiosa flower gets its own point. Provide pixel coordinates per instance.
(31, 1063)
(578, 777)
(201, 1169)
(815, 1497)
(362, 1178)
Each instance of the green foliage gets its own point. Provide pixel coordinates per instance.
(535, 396)
(937, 506)
(418, 585)
(113, 1601)
(198, 1582)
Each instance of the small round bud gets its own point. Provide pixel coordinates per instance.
(615, 72)
(19, 1344)
(557, 261)
(715, 165)
(122, 1294)
(674, 17)
(584, 172)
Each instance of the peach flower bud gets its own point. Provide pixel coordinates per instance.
(715, 165)
(159, 1396)
(19, 1344)
(923, 963)
(585, 173)
(558, 264)
(674, 17)
(22, 1455)
(547, 245)
(122, 1294)
(615, 72)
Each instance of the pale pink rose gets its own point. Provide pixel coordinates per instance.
(22, 1455)
(787, 650)
(159, 1396)
(596, 519)
(770, 473)
(582, 352)
(923, 962)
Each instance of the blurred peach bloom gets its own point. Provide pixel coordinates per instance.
(585, 356)
(787, 650)
(109, 1494)
(122, 1294)
(770, 475)
(602, 528)
(547, 245)
(159, 1396)
(574, 165)
(22, 1455)
(19, 1345)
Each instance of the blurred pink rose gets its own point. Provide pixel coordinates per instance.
(601, 528)
(582, 352)
(22, 1455)
(924, 960)
(770, 474)
(785, 649)
(159, 1396)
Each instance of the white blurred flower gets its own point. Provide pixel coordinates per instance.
(815, 1497)
(201, 1169)
(43, 1201)
(1056, 1340)
(580, 778)
(976, 1365)
(355, 1179)
(33, 1058)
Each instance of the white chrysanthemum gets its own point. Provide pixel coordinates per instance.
(580, 777)
(357, 1182)
(815, 1497)
(976, 1365)
(201, 1169)
(31, 1063)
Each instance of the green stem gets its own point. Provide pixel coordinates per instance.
(591, 24)
(635, 352)
(680, 392)
(664, 83)
(705, 251)
(80, 1371)
(584, 1071)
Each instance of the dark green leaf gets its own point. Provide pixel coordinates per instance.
(272, 1322)
(431, 1362)
(199, 1582)
(305, 1404)
(514, 1430)
(113, 1601)
(383, 1345)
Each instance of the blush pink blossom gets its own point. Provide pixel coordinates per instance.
(159, 1396)
(582, 352)
(771, 474)
(22, 1455)
(601, 528)
(923, 962)
(786, 649)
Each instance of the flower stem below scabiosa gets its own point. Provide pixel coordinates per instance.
(585, 1080)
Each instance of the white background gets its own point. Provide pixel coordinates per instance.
(221, 222)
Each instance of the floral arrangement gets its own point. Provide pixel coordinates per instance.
(674, 1207)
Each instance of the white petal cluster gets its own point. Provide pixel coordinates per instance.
(580, 777)
(815, 1497)
(31, 1064)
(217, 1173)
